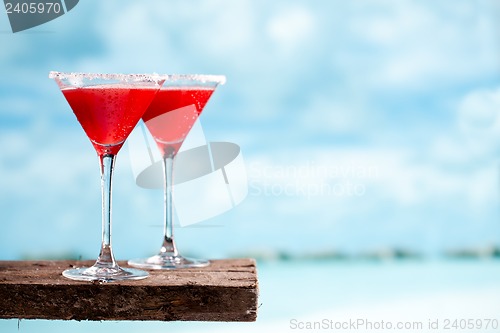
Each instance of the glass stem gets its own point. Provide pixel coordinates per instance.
(168, 247)
(106, 258)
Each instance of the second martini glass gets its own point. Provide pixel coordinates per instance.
(108, 106)
(169, 119)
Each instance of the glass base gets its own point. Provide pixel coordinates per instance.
(104, 274)
(168, 262)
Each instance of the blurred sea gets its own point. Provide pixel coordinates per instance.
(295, 293)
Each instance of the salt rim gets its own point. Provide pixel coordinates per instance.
(117, 76)
(220, 79)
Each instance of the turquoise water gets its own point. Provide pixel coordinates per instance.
(406, 291)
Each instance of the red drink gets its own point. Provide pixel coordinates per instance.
(108, 106)
(169, 119)
(108, 113)
(173, 112)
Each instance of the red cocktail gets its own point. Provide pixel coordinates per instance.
(169, 118)
(108, 106)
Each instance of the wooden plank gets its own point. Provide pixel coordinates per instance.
(226, 290)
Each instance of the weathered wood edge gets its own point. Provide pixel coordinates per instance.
(227, 290)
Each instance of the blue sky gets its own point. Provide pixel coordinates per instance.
(317, 93)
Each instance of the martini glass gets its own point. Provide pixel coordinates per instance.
(169, 119)
(108, 106)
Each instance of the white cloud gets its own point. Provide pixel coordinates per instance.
(231, 31)
(480, 111)
(391, 23)
(416, 46)
(338, 112)
(397, 175)
(133, 33)
(475, 136)
(291, 28)
(32, 172)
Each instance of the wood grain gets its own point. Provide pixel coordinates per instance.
(226, 290)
